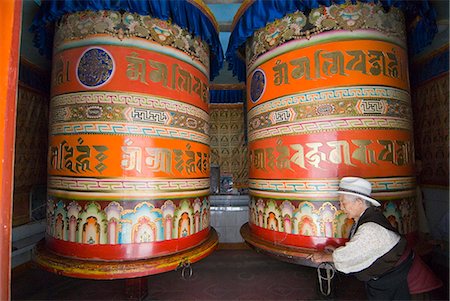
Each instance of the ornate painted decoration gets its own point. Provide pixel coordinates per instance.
(150, 116)
(132, 222)
(80, 25)
(431, 103)
(322, 219)
(228, 147)
(299, 113)
(30, 158)
(296, 26)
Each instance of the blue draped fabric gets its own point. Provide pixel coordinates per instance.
(436, 66)
(261, 12)
(226, 96)
(183, 13)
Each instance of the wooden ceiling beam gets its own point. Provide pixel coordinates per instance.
(225, 27)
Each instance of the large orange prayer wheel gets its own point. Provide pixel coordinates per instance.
(128, 159)
(328, 97)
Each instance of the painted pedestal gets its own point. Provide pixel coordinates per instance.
(128, 157)
(328, 96)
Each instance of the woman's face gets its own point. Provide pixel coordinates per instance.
(350, 205)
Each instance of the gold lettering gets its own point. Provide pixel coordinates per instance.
(302, 68)
(341, 150)
(100, 157)
(378, 62)
(387, 154)
(83, 159)
(68, 155)
(131, 158)
(358, 62)
(190, 162)
(362, 153)
(205, 92)
(314, 156)
(270, 158)
(334, 64)
(178, 160)
(57, 155)
(185, 81)
(174, 75)
(60, 72)
(54, 157)
(76, 159)
(393, 65)
(259, 159)
(197, 87)
(159, 73)
(136, 68)
(281, 73)
(403, 153)
(158, 159)
(317, 63)
(298, 158)
(199, 162)
(283, 161)
(206, 162)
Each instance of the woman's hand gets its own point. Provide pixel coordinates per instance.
(329, 249)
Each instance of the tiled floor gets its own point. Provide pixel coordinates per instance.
(224, 275)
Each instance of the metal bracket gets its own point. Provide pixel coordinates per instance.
(186, 269)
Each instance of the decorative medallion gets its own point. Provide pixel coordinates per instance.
(94, 112)
(258, 85)
(325, 109)
(95, 68)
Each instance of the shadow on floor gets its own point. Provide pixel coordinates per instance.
(224, 275)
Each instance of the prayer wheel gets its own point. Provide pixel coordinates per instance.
(327, 96)
(128, 154)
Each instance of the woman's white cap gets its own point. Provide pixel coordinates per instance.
(358, 187)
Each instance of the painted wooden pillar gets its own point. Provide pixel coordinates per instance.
(328, 96)
(128, 157)
(10, 22)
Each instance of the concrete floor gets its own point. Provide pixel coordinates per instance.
(240, 274)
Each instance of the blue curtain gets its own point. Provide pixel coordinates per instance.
(226, 96)
(436, 66)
